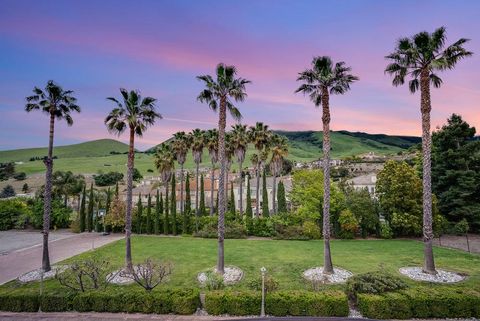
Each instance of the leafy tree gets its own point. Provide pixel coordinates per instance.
(249, 210)
(420, 57)
(456, 171)
(20, 176)
(7, 170)
(136, 114)
(82, 210)
(58, 104)
(348, 224)
(173, 204)
(7, 191)
(116, 214)
(324, 79)
(158, 212)
(188, 206)
(364, 208)
(281, 200)
(202, 209)
(108, 179)
(139, 214)
(218, 94)
(11, 212)
(91, 202)
(136, 176)
(265, 209)
(149, 215)
(211, 142)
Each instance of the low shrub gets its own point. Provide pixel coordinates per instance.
(214, 281)
(270, 284)
(290, 233)
(209, 229)
(374, 283)
(18, 301)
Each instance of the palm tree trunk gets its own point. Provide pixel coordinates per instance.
(196, 198)
(47, 209)
(226, 186)
(221, 186)
(429, 266)
(212, 210)
(327, 266)
(240, 206)
(181, 190)
(257, 192)
(274, 191)
(128, 213)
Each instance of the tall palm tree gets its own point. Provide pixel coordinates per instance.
(211, 142)
(197, 139)
(221, 93)
(421, 57)
(58, 104)
(136, 113)
(181, 145)
(324, 79)
(259, 136)
(239, 144)
(164, 160)
(255, 160)
(229, 151)
(279, 151)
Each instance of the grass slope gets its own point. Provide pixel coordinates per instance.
(284, 260)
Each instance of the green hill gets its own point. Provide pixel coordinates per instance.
(94, 148)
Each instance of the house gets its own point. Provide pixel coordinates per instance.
(367, 181)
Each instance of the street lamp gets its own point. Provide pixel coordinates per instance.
(264, 271)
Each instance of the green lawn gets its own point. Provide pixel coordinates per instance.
(284, 260)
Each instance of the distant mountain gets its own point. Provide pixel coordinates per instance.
(94, 148)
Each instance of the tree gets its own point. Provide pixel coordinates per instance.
(420, 57)
(188, 206)
(158, 211)
(82, 210)
(211, 142)
(25, 188)
(108, 179)
(136, 114)
(165, 163)
(148, 229)
(248, 210)
(202, 209)
(180, 146)
(197, 138)
(456, 171)
(7, 191)
(91, 202)
(139, 214)
(281, 200)
(136, 175)
(279, 150)
(265, 208)
(173, 204)
(219, 94)
(66, 184)
(240, 139)
(364, 208)
(58, 104)
(260, 136)
(232, 201)
(324, 79)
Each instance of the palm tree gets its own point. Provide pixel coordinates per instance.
(239, 144)
(58, 104)
(219, 94)
(211, 142)
(279, 150)
(181, 145)
(324, 79)
(420, 57)
(229, 151)
(164, 160)
(259, 136)
(255, 160)
(136, 114)
(197, 139)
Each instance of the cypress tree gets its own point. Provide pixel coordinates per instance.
(265, 210)
(188, 206)
(157, 214)
(248, 210)
(173, 204)
(232, 201)
(116, 190)
(160, 225)
(109, 201)
(202, 196)
(165, 220)
(82, 210)
(149, 214)
(97, 219)
(90, 209)
(281, 200)
(139, 214)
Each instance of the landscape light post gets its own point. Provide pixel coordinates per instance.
(262, 310)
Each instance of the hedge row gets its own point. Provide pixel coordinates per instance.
(420, 303)
(280, 303)
(161, 302)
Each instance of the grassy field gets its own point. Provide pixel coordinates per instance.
(284, 260)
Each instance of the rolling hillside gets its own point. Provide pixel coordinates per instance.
(94, 156)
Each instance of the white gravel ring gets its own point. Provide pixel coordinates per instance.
(316, 274)
(231, 276)
(442, 276)
(36, 275)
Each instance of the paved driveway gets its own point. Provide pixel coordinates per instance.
(21, 251)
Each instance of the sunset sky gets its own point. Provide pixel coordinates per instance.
(159, 47)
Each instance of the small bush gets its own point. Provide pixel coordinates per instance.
(289, 233)
(150, 273)
(214, 281)
(85, 275)
(270, 284)
(311, 230)
(385, 230)
(461, 228)
(374, 283)
(20, 176)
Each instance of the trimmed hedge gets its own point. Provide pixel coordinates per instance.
(166, 301)
(279, 303)
(421, 303)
